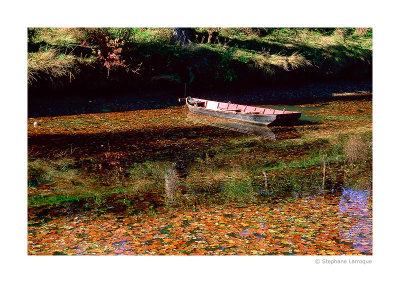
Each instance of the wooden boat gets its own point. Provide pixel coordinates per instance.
(244, 113)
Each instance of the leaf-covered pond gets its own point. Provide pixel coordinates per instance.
(164, 181)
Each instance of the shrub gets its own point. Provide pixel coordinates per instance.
(111, 45)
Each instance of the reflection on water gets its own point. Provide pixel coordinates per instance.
(171, 183)
(355, 205)
(261, 131)
(237, 126)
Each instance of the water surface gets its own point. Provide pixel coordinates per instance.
(164, 181)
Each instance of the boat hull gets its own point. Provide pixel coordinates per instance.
(244, 113)
(282, 119)
(249, 118)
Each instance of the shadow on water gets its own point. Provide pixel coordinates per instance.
(149, 143)
(162, 142)
(123, 101)
(85, 104)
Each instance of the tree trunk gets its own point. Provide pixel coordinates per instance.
(182, 36)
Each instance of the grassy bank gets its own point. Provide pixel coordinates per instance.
(94, 59)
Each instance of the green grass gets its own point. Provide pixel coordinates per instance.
(67, 181)
(98, 198)
(40, 200)
(307, 162)
(238, 190)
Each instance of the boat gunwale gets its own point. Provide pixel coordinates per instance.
(246, 114)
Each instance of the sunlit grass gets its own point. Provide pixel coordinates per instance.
(59, 36)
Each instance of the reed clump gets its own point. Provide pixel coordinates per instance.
(356, 150)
